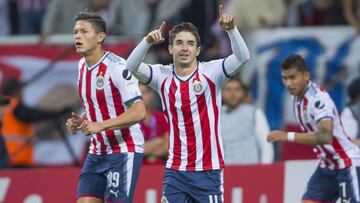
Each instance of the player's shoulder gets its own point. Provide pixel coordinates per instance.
(318, 96)
(209, 64)
(115, 61)
(163, 69)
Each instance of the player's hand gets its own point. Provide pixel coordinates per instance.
(155, 36)
(226, 21)
(89, 127)
(277, 135)
(74, 123)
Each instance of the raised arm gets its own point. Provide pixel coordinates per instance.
(240, 51)
(135, 61)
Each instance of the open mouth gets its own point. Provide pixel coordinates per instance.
(78, 43)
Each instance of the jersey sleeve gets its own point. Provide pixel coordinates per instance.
(127, 85)
(215, 70)
(158, 74)
(322, 107)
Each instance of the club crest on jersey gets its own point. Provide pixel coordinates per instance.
(100, 82)
(198, 87)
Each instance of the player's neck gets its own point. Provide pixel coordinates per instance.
(302, 93)
(183, 70)
(94, 57)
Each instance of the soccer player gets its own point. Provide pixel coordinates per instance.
(113, 106)
(191, 98)
(337, 174)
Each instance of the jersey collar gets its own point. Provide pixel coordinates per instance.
(101, 60)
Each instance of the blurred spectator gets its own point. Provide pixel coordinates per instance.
(17, 127)
(203, 14)
(221, 47)
(350, 116)
(4, 17)
(4, 158)
(31, 14)
(314, 13)
(123, 17)
(244, 127)
(109, 10)
(352, 13)
(59, 17)
(252, 14)
(155, 129)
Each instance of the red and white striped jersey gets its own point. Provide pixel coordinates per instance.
(317, 105)
(106, 90)
(192, 107)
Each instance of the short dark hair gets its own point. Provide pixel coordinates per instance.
(94, 18)
(354, 89)
(237, 79)
(294, 61)
(11, 86)
(184, 26)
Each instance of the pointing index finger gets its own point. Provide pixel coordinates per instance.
(221, 10)
(162, 26)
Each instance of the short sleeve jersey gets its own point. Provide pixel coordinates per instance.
(192, 107)
(315, 106)
(107, 89)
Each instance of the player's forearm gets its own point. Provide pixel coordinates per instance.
(319, 137)
(238, 45)
(134, 62)
(240, 51)
(137, 56)
(135, 114)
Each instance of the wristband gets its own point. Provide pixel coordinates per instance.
(291, 136)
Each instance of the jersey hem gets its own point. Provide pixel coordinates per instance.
(211, 168)
(90, 152)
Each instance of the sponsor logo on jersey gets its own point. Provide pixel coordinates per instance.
(319, 104)
(126, 75)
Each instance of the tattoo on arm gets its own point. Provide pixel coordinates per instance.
(323, 136)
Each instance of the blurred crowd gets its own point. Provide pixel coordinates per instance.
(134, 18)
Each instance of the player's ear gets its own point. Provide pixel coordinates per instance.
(307, 75)
(101, 37)
(198, 49)
(170, 47)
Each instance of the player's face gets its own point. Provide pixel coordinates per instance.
(232, 94)
(295, 81)
(184, 49)
(85, 37)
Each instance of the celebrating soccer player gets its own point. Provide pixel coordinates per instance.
(190, 91)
